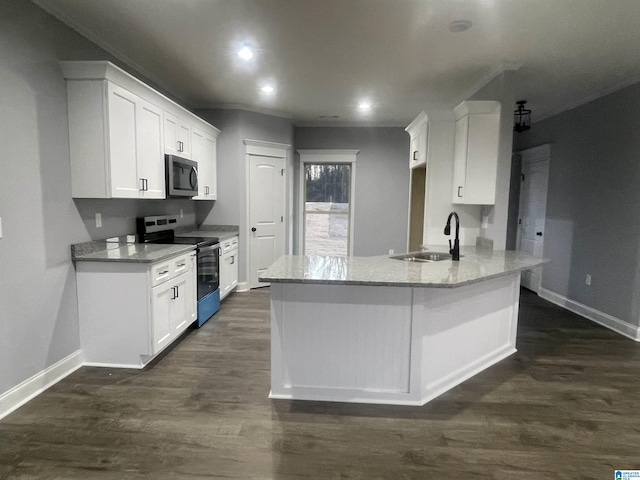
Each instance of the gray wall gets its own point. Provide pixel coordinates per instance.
(593, 206)
(237, 126)
(382, 182)
(40, 220)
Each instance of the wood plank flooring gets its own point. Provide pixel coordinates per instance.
(566, 406)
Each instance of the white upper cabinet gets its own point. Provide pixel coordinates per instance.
(419, 132)
(204, 151)
(115, 142)
(177, 136)
(119, 131)
(477, 139)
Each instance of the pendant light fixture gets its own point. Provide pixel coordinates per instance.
(522, 117)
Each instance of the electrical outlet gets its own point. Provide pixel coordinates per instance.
(391, 252)
(587, 279)
(181, 214)
(485, 221)
(98, 220)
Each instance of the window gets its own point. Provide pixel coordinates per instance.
(327, 179)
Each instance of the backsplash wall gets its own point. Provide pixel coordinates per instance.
(119, 215)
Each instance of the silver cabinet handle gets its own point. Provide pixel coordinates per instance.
(415, 155)
(164, 272)
(180, 265)
(459, 191)
(233, 259)
(174, 290)
(180, 146)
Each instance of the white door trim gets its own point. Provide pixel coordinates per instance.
(532, 155)
(265, 149)
(326, 156)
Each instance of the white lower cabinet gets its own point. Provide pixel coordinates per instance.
(173, 310)
(228, 266)
(129, 312)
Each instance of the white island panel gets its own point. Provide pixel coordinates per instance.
(340, 342)
(464, 331)
(380, 330)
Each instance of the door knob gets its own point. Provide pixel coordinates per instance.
(253, 229)
(539, 234)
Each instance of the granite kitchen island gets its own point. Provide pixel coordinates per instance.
(382, 330)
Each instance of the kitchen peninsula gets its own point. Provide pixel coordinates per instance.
(382, 330)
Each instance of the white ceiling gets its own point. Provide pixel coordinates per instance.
(326, 55)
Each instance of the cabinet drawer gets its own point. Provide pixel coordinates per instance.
(229, 245)
(170, 268)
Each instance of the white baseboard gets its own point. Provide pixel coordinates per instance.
(30, 388)
(242, 287)
(601, 318)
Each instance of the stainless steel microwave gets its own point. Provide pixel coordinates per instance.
(182, 176)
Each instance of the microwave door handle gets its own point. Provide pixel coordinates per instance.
(193, 178)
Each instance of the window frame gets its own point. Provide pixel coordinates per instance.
(333, 157)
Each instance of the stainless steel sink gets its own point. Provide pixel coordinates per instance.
(427, 257)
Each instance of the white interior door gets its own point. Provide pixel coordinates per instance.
(267, 208)
(533, 208)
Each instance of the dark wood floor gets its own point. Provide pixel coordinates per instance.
(566, 406)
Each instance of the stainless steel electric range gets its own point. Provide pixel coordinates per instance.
(161, 229)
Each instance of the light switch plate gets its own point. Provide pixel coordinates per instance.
(98, 220)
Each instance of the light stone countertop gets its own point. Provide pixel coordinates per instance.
(125, 251)
(475, 265)
(222, 232)
(125, 248)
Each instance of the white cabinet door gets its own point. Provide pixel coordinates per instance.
(204, 152)
(177, 136)
(228, 266)
(162, 310)
(191, 291)
(180, 305)
(150, 153)
(477, 140)
(419, 131)
(226, 275)
(121, 111)
(233, 271)
(460, 159)
(119, 130)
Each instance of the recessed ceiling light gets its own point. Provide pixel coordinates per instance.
(364, 106)
(267, 89)
(245, 53)
(458, 26)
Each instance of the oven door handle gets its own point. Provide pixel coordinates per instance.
(208, 248)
